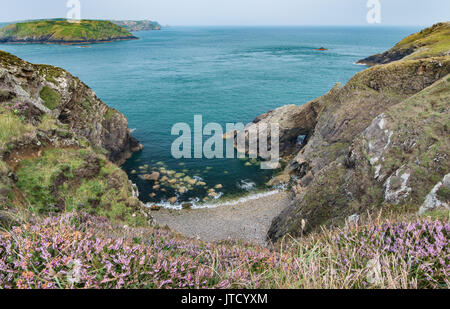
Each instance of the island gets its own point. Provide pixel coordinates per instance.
(62, 31)
(137, 25)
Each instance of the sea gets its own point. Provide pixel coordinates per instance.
(226, 75)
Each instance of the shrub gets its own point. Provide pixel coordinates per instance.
(50, 97)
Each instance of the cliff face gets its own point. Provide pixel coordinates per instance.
(381, 141)
(59, 143)
(53, 91)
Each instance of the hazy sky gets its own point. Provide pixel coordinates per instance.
(236, 12)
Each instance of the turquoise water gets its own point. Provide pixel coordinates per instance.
(225, 74)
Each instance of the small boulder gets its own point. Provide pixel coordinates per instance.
(155, 208)
(173, 200)
(164, 179)
(152, 177)
(187, 206)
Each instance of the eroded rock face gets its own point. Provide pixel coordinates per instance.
(387, 57)
(61, 136)
(293, 121)
(434, 200)
(51, 90)
(380, 140)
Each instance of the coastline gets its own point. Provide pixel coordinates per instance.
(242, 220)
(69, 42)
(228, 202)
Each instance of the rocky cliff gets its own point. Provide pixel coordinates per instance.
(59, 143)
(52, 91)
(379, 142)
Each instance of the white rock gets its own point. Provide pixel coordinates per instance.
(432, 201)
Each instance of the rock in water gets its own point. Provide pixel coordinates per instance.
(173, 200)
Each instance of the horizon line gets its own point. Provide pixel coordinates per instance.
(237, 25)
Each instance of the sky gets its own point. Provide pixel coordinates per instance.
(237, 12)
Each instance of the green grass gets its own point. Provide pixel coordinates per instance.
(444, 193)
(59, 30)
(57, 182)
(51, 98)
(433, 41)
(11, 126)
(37, 177)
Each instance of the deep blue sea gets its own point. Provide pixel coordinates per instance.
(225, 74)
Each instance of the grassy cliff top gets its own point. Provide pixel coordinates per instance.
(430, 42)
(63, 31)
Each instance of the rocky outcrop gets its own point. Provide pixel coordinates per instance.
(387, 57)
(56, 138)
(53, 91)
(439, 197)
(378, 142)
(294, 121)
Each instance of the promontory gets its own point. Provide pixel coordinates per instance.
(61, 31)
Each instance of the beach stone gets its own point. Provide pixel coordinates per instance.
(179, 175)
(172, 181)
(182, 190)
(187, 206)
(152, 195)
(152, 177)
(164, 179)
(155, 208)
(170, 173)
(219, 186)
(201, 183)
(213, 194)
(173, 200)
(156, 187)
